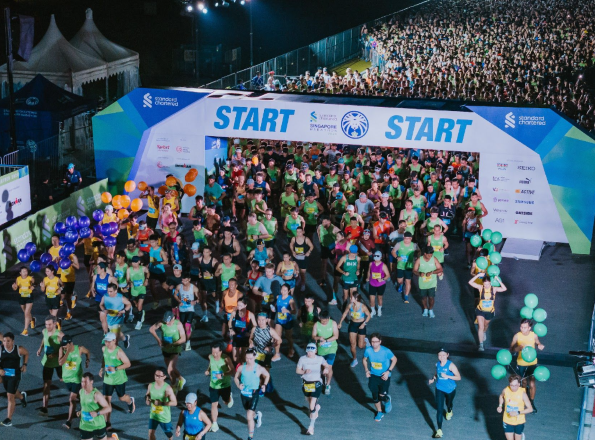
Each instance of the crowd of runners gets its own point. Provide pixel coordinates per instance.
(365, 218)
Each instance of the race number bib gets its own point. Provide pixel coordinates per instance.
(309, 387)
(376, 365)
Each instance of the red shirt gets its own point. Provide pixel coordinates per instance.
(355, 232)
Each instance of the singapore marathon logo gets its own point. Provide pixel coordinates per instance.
(355, 125)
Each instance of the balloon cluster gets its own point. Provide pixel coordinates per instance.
(490, 264)
(188, 189)
(529, 354)
(123, 202)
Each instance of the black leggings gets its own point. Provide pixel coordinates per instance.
(186, 317)
(441, 399)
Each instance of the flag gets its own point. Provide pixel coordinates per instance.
(26, 38)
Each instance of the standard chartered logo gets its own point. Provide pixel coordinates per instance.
(46, 230)
(509, 120)
(81, 207)
(147, 100)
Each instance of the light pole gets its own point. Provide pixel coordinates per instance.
(251, 37)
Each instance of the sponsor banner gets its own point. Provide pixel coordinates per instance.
(15, 192)
(39, 227)
(215, 153)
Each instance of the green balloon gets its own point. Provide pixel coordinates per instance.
(487, 234)
(482, 263)
(489, 247)
(527, 312)
(495, 257)
(531, 300)
(541, 373)
(540, 329)
(495, 283)
(493, 271)
(475, 241)
(496, 237)
(539, 315)
(498, 372)
(529, 354)
(504, 357)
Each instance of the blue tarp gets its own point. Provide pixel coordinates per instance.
(40, 106)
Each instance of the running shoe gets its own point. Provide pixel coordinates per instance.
(327, 390)
(114, 436)
(258, 419)
(132, 406)
(130, 317)
(406, 299)
(216, 307)
(127, 341)
(534, 407)
(181, 383)
(142, 316)
(333, 302)
(438, 434)
(425, 313)
(88, 294)
(432, 314)
(214, 427)
(234, 219)
(230, 403)
(354, 363)
(448, 415)
(379, 313)
(138, 325)
(73, 302)
(204, 318)
(379, 416)
(68, 317)
(6, 422)
(310, 431)
(67, 424)
(61, 303)
(155, 305)
(367, 341)
(24, 399)
(388, 405)
(43, 411)
(373, 312)
(481, 347)
(303, 288)
(32, 322)
(188, 348)
(400, 288)
(25, 333)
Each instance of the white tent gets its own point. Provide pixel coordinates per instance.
(59, 61)
(120, 60)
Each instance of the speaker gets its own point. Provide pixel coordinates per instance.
(585, 374)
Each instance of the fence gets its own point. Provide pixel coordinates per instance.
(585, 420)
(328, 52)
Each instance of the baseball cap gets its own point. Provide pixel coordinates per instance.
(135, 259)
(339, 195)
(191, 398)
(353, 249)
(195, 246)
(66, 340)
(111, 336)
(70, 166)
(250, 181)
(383, 214)
(167, 317)
(350, 208)
(407, 234)
(177, 267)
(259, 242)
(377, 254)
(211, 176)
(311, 347)
(366, 231)
(385, 195)
(225, 219)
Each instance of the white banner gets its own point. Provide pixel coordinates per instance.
(15, 193)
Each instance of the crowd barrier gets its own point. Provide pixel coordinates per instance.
(39, 226)
(587, 403)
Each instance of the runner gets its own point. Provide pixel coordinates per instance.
(377, 277)
(288, 270)
(382, 362)
(426, 268)
(13, 363)
(311, 209)
(307, 316)
(226, 271)
(349, 266)
(513, 404)
(310, 367)
(292, 222)
(137, 277)
(160, 397)
(50, 346)
(25, 285)
(208, 283)
(68, 278)
(266, 341)
(186, 295)
(327, 234)
(114, 306)
(446, 376)
(301, 248)
(158, 260)
(99, 285)
(404, 252)
(486, 308)
(438, 242)
(360, 315)
(196, 423)
(71, 358)
(170, 284)
(254, 231)
(173, 337)
(286, 309)
(94, 408)
(409, 215)
(240, 324)
(261, 254)
(220, 371)
(120, 270)
(326, 334)
(230, 302)
(248, 380)
(526, 338)
(52, 286)
(262, 286)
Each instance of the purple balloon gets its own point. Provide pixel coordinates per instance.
(31, 248)
(69, 248)
(62, 252)
(97, 230)
(59, 228)
(35, 266)
(23, 256)
(98, 215)
(71, 236)
(62, 241)
(84, 222)
(65, 263)
(109, 241)
(114, 227)
(71, 222)
(84, 232)
(106, 229)
(45, 258)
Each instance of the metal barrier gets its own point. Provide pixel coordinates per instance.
(328, 52)
(585, 400)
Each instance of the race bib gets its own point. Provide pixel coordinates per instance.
(49, 349)
(247, 392)
(293, 226)
(107, 369)
(356, 315)
(86, 416)
(9, 372)
(260, 356)
(123, 285)
(446, 221)
(309, 387)
(427, 278)
(262, 263)
(25, 293)
(282, 316)
(113, 312)
(266, 298)
(326, 344)
(437, 248)
(137, 283)
(240, 324)
(151, 210)
(299, 250)
(240, 196)
(168, 339)
(376, 365)
(155, 409)
(70, 365)
(485, 304)
(224, 284)
(404, 258)
(376, 275)
(214, 375)
(511, 409)
(207, 276)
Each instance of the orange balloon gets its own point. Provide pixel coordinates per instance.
(123, 214)
(162, 189)
(142, 186)
(106, 197)
(191, 175)
(171, 181)
(125, 201)
(189, 189)
(130, 186)
(117, 202)
(136, 205)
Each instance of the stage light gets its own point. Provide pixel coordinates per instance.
(225, 4)
(242, 2)
(189, 8)
(216, 4)
(205, 10)
(200, 6)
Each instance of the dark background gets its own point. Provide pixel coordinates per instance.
(155, 28)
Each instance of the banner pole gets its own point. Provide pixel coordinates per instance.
(9, 65)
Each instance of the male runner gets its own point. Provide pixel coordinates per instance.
(173, 337)
(94, 408)
(310, 367)
(13, 363)
(114, 306)
(426, 268)
(50, 344)
(220, 371)
(382, 363)
(71, 358)
(160, 397)
(404, 252)
(326, 333)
